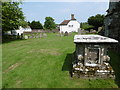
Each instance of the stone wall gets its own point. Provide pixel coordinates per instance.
(112, 23)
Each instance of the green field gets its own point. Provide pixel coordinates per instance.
(39, 63)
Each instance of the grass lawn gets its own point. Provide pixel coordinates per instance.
(38, 63)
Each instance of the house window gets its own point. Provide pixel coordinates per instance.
(70, 25)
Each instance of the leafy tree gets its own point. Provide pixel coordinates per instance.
(36, 25)
(49, 23)
(12, 16)
(23, 24)
(96, 21)
(28, 23)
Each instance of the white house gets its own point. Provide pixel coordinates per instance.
(70, 25)
(21, 30)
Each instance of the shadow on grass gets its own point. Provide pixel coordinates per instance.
(8, 40)
(67, 65)
(115, 63)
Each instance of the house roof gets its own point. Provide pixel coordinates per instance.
(65, 22)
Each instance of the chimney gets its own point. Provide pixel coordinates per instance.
(72, 17)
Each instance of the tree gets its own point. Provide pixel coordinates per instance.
(36, 25)
(96, 21)
(28, 23)
(12, 16)
(49, 23)
(23, 24)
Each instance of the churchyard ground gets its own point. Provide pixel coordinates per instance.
(38, 63)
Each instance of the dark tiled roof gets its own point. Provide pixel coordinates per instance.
(65, 22)
(73, 19)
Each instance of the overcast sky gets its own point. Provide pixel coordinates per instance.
(62, 10)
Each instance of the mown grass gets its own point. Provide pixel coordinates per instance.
(38, 63)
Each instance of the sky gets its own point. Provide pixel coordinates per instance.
(62, 10)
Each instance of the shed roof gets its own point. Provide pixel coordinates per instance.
(93, 39)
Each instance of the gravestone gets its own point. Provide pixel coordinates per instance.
(100, 28)
(79, 31)
(37, 36)
(25, 37)
(66, 33)
(69, 33)
(33, 36)
(40, 35)
(62, 34)
(30, 36)
(92, 31)
(91, 57)
(83, 31)
(45, 35)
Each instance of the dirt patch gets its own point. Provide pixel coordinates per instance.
(51, 52)
(12, 67)
(46, 51)
(18, 82)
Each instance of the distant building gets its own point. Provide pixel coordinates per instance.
(21, 30)
(69, 25)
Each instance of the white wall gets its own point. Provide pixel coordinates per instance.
(64, 28)
(16, 32)
(76, 25)
(27, 29)
(21, 30)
